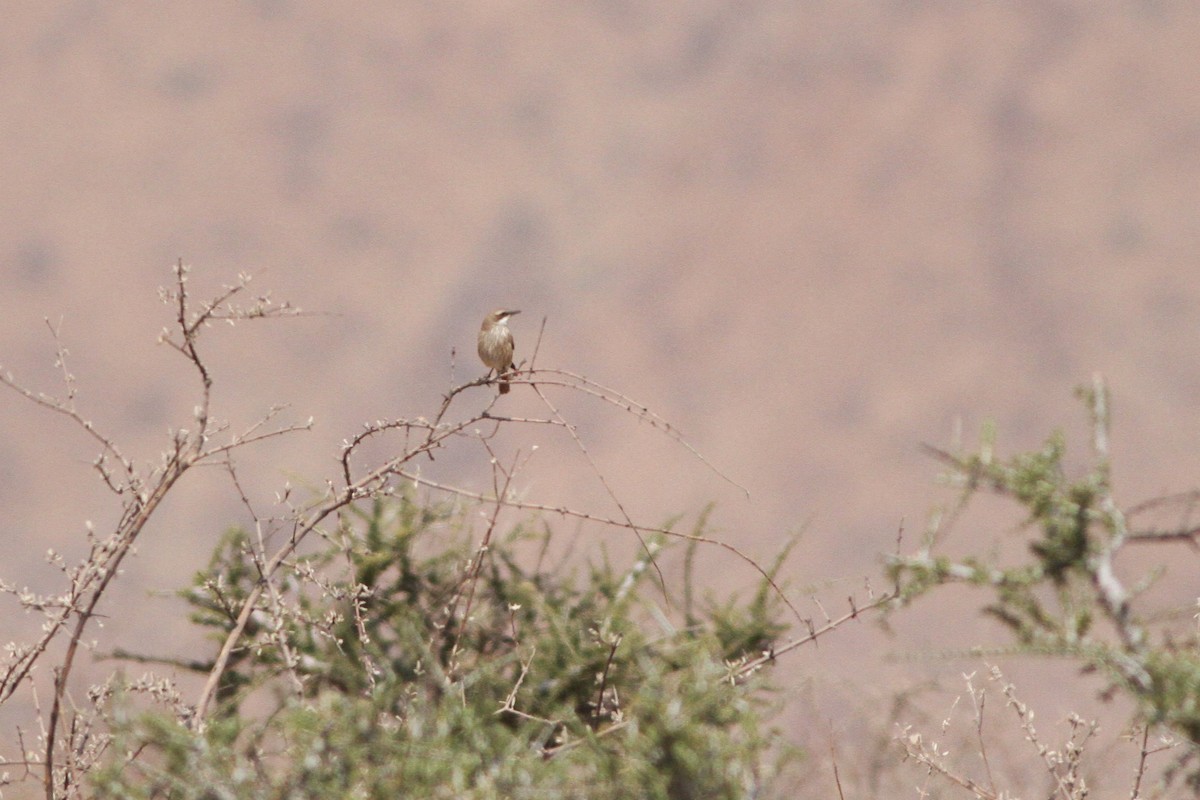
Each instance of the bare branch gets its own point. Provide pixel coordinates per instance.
(579, 383)
(142, 493)
(607, 521)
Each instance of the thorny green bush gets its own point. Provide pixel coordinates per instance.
(1065, 598)
(391, 665)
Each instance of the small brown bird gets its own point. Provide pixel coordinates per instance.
(496, 344)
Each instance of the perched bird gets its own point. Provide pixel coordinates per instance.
(496, 344)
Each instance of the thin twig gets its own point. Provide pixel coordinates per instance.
(610, 522)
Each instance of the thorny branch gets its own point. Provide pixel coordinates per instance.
(423, 437)
(1108, 533)
(1063, 766)
(206, 441)
(144, 488)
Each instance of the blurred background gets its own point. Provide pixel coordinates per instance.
(811, 235)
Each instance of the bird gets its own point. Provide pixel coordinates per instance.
(496, 344)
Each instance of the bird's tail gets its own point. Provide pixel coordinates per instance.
(503, 383)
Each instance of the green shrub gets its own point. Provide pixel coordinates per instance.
(392, 665)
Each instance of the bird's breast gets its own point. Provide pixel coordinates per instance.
(496, 346)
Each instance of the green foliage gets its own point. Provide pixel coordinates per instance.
(1053, 600)
(396, 666)
(1174, 678)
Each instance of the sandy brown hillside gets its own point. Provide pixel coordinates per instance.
(811, 235)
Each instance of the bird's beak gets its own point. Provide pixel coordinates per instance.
(512, 313)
